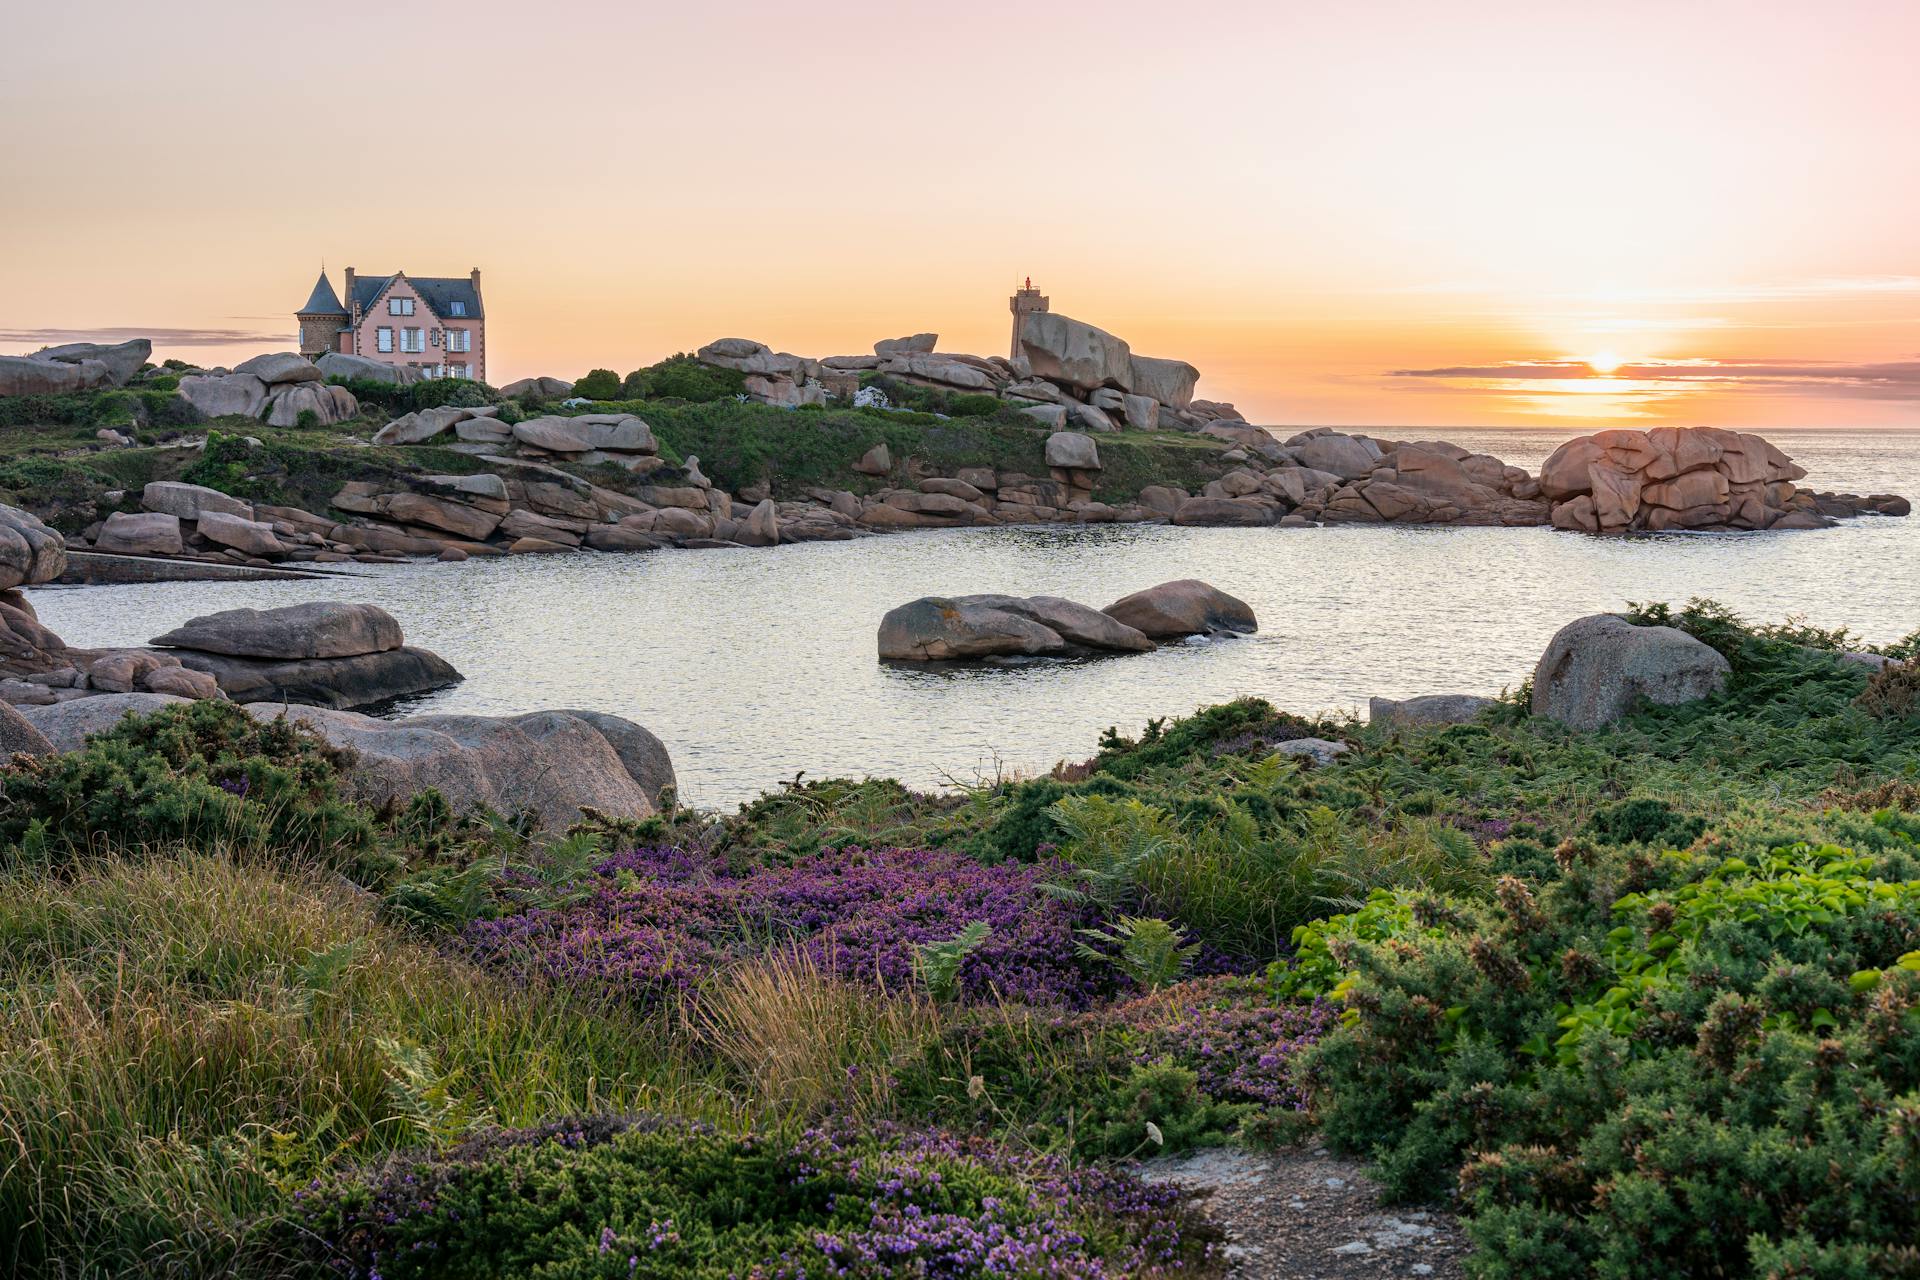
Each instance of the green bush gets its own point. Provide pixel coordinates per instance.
(460, 393)
(1652, 1066)
(222, 463)
(681, 377)
(598, 384)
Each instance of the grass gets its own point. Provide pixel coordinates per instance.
(184, 1040)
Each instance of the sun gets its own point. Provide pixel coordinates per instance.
(1604, 361)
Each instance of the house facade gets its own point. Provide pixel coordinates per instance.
(436, 324)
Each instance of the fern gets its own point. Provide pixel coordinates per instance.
(1152, 952)
(938, 963)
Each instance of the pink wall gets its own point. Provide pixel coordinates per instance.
(365, 337)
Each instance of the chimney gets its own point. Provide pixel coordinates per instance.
(353, 311)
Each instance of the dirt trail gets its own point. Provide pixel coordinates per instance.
(1304, 1214)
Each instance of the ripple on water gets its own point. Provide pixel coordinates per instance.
(754, 665)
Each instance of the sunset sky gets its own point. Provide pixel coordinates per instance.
(1367, 213)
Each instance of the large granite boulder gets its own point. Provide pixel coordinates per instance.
(30, 552)
(321, 629)
(1075, 353)
(421, 425)
(233, 395)
(358, 681)
(190, 501)
(749, 356)
(550, 763)
(325, 653)
(553, 764)
(143, 533)
(1073, 450)
(956, 628)
(1170, 382)
(1427, 709)
(278, 367)
(26, 376)
(1186, 607)
(249, 537)
(328, 404)
(1349, 457)
(613, 432)
(1597, 668)
(338, 364)
(913, 344)
(18, 736)
(1680, 478)
(123, 359)
(537, 389)
(68, 725)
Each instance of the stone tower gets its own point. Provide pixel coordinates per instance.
(1025, 300)
(322, 319)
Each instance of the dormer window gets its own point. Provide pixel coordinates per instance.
(399, 306)
(457, 307)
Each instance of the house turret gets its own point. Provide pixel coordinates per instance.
(322, 319)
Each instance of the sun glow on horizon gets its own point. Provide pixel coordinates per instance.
(1604, 362)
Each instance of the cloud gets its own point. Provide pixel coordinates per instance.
(161, 337)
(1879, 380)
(1765, 291)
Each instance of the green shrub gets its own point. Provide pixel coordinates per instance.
(460, 393)
(598, 384)
(222, 463)
(681, 377)
(1620, 1060)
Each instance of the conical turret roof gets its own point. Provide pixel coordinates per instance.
(323, 301)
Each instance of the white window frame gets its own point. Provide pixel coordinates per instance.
(413, 341)
(456, 307)
(460, 340)
(399, 306)
(383, 340)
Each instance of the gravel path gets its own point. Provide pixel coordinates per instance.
(1304, 1214)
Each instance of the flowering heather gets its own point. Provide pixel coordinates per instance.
(1232, 1034)
(656, 921)
(649, 1198)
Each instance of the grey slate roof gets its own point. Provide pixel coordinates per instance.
(441, 292)
(323, 300)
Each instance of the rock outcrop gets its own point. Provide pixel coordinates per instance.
(26, 376)
(281, 388)
(122, 360)
(958, 628)
(538, 389)
(1598, 668)
(1185, 607)
(338, 364)
(552, 764)
(30, 552)
(327, 654)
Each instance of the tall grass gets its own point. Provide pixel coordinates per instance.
(803, 1043)
(185, 1039)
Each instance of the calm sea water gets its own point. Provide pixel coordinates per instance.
(755, 665)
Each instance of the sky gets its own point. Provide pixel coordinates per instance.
(1375, 213)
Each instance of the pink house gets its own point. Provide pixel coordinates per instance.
(435, 324)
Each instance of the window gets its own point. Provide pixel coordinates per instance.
(459, 340)
(426, 372)
(384, 338)
(413, 340)
(456, 308)
(399, 306)
(466, 371)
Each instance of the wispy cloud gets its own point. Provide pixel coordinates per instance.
(1880, 380)
(161, 337)
(1691, 295)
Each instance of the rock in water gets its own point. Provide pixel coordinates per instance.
(1596, 668)
(1187, 607)
(323, 629)
(357, 681)
(952, 628)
